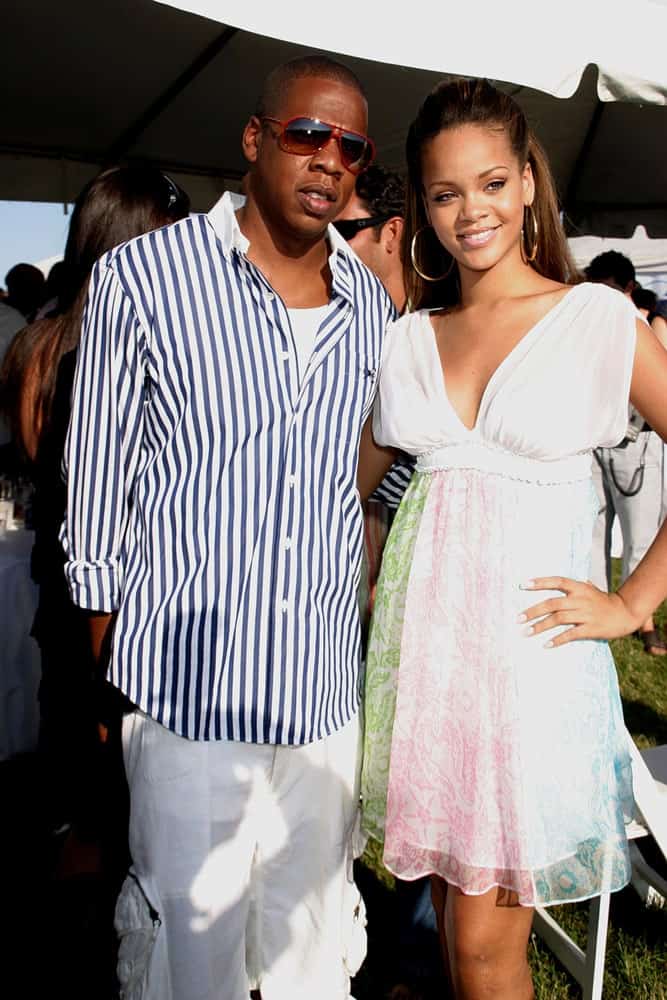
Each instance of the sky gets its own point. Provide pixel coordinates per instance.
(30, 232)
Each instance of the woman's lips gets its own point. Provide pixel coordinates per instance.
(480, 238)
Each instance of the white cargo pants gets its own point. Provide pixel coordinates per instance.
(242, 873)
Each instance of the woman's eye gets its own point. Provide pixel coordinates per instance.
(496, 185)
(444, 196)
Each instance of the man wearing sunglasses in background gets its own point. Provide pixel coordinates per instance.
(372, 224)
(227, 366)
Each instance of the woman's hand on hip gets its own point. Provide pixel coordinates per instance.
(586, 611)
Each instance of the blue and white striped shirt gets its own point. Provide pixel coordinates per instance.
(212, 498)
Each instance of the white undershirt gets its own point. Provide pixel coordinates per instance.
(305, 324)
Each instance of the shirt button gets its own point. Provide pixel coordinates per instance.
(288, 543)
(284, 606)
(292, 482)
(284, 355)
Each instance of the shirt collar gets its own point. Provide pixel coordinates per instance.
(223, 219)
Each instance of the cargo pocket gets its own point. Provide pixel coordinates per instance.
(137, 924)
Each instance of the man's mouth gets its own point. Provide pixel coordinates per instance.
(318, 199)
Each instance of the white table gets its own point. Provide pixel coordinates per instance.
(19, 654)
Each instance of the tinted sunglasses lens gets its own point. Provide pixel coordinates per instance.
(355, 151)
(304, 135)
(347, 228)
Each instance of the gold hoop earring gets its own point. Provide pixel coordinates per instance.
(426, 277)
(526, 257)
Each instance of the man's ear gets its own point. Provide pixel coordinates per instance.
(392, 232)
(251, 140)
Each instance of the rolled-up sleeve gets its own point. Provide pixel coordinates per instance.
(103, 444)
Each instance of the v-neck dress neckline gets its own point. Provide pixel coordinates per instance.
(522, 345)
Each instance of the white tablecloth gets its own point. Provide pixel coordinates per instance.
(19, 653)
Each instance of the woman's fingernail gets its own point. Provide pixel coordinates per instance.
(527, 585)
(521, 618)
(548, 645)
(528, 630)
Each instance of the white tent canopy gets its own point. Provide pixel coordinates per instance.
(546, 49)
(135, 80)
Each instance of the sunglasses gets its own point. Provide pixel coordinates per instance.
(348, 228)
(305, 136)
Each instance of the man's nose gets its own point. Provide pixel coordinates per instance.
(328, 158)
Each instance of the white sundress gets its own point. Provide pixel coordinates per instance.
(489, 759)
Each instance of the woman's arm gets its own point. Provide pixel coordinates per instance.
(659, 327)
(591, 613)
(646, 587)
(374, 461)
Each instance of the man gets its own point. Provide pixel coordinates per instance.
(25, 289)
(227, 365)
(629, 477)
(372, 224)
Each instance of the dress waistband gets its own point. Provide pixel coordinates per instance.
(482, 458)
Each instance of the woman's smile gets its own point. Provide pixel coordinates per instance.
(477, 238)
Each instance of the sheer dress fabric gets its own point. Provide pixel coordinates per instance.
(489, 759)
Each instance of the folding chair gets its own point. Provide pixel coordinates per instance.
(649, 777)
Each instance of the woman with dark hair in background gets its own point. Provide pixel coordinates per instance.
(82, 767)
(495, 761)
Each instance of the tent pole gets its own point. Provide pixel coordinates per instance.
(128, 138)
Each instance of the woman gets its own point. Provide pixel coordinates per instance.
(35, 385)
(495, 760)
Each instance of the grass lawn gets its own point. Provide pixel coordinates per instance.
(636, 961)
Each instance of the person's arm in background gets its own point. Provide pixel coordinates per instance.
(374, 461)
(396, 481)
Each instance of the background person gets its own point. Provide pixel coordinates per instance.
(628, 477)
(83, 780)
(372, 224)
(459, 697)
(53, 290)
(25, 289)
(227, 365)
(11, 321)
